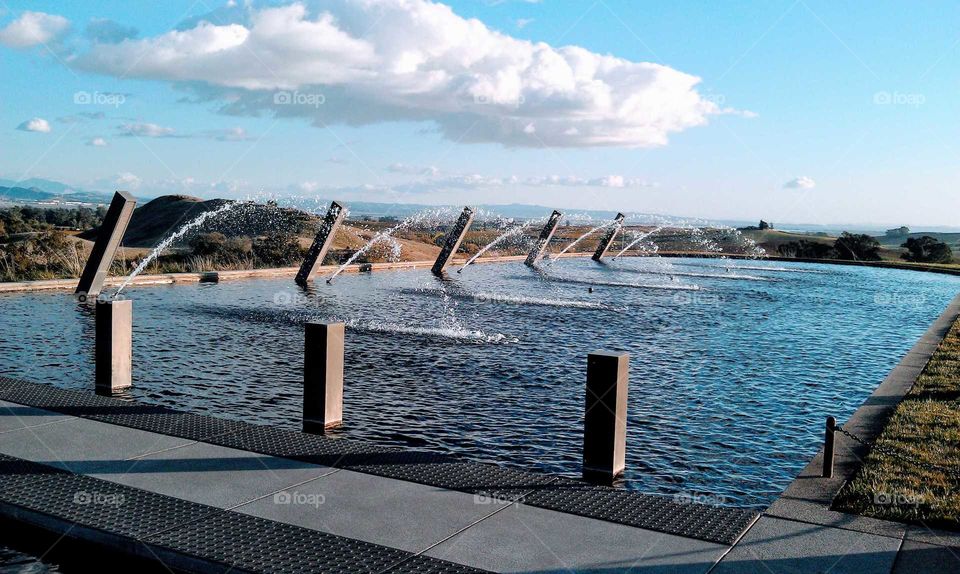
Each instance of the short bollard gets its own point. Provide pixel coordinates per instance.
(605, 418)
(828, 444)
(322, 377)
(114, 346)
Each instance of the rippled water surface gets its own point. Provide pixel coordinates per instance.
(734, 365)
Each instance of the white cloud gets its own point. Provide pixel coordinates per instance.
(35, 125)
(801, 182)
(97, 142)
(523, 22)
(237, 134)
(394, 60)
(127, 180)
(146, 130)
(412, 169)
(32, 29)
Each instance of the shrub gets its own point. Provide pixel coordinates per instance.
(857, 247)
(927, 249)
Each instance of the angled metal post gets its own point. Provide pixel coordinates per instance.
(321, 243)
(546, 234)
(453, 240)
(608, 238)
(105, 248)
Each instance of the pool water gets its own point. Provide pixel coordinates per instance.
(733, 364)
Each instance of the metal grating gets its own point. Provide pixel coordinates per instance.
(255, 544)
(68, 402)
(305, 447)
(169, 422)
(105, 506)
(428, 565)
(710, 523)
(15, 472)
(447, 472)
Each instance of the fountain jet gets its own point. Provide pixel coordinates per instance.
(453, 240)
(545, 236)
(607, 239)
(321, 243)
(108, 240)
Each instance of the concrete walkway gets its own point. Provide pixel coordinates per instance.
(453, 526)
(427, 522)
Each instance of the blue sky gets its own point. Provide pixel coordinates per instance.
(805, 111)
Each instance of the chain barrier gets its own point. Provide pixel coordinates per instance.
(953, 473)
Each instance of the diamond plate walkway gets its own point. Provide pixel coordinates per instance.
(207, 494)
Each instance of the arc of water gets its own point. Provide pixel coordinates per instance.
(516, 230)
(385, 235)
(196, 222)
(581, 238)
(635, 241)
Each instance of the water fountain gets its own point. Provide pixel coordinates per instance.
(546, 234)
(635, 241)
(387, 235)
(196, 222)
(576, 241)
(512, 232)
(104, 249)
(321, 243)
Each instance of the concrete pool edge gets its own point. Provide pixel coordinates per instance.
(291, 272)
(809, 497)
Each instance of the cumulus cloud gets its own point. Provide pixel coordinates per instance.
(146, 130)
(97, 142)
(35, 125)
(32, 29)
(801, 182)
(394, 60)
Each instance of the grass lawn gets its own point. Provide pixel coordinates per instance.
(925, 427)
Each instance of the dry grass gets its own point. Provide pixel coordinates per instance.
(925, 427)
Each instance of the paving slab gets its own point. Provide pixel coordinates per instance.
(523, 538)
(777, 546)
(209, 474)
(391, 512)
(918, 557)
(78, 445)
(15, 417)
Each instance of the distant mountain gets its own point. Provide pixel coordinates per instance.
(36, 189)
(22, 194)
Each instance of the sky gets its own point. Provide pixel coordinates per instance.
(801, 111)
